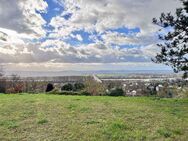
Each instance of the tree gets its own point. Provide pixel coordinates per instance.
(116, 92)
(94, 88)
(1, 70)
(67, 87)
(79, 86)
(2, 80)
(174, 46)
(15, 84)
(49, 87)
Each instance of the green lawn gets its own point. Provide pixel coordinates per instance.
(78, 118)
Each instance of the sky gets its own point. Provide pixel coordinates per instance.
(57, 35)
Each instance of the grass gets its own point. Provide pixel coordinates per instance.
(80, 118)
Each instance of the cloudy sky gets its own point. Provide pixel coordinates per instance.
(80, 34)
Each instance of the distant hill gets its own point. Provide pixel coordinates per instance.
(83, 73)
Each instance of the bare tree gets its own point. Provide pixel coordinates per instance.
(2, 79)
(15, 84)
(2, 70)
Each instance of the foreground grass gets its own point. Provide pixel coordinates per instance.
(72, 118)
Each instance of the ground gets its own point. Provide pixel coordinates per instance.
(79, 118)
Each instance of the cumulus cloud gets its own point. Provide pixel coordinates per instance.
(101, 15)
(85, 31)
(21, 16)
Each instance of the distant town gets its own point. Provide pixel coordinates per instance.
(143, 84)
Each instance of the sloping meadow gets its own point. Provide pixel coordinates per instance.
(53, 117)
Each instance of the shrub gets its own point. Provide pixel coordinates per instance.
(85, 93)
(183, 93)
(167, 92)
(79, 86)
(14, 85)
(94, 88)
(67, 87)
(54, 91)
(31, 86)
(2, 85)
(116, 92)
(49, 87)
(17, 88)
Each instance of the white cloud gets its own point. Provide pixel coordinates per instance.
(77, 36)
(101, 15)
(21, 16)
(21, 22)
(118, 39)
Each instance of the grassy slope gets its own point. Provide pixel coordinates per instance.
(51, 117)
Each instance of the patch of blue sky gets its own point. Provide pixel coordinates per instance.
(50, 46)
(125, 30)
(75, 42)
(125, 46)
(67, 16)
(53, 10)
(129, 46)
(40, 40)
(97, 35)
(89, 38)
(72, 41)
(164, 31)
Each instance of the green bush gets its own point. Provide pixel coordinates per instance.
(116, 92)
(86, 93)
(79, 86)
(54, 91)
(49, 87)
(67, 87)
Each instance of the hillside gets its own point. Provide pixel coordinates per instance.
(52, 117)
